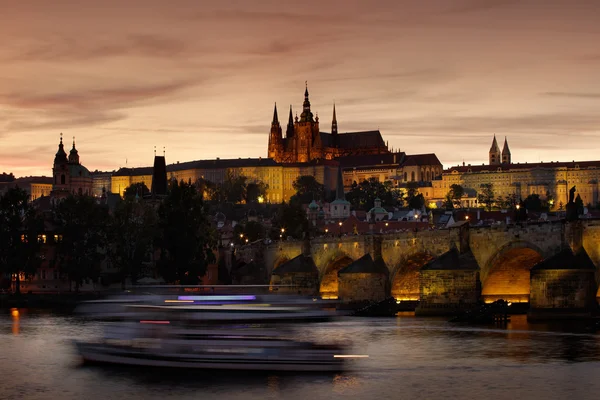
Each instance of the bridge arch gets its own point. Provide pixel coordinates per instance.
(506, 274)
(405, 277)
(279, 262)
(328, 287)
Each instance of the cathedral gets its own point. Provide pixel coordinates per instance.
(304, 142)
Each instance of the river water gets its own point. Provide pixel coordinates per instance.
(409, 358)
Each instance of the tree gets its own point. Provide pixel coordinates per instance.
(533, 203)
(138, 189)
(83, 225)
(186, 237)
(456, 193)
(415, 200)
(20, 227)
(307, 189)
(131, 234)
(292, 218)
(362, 196)
(448, 202)
(252, 230)
(256, 192)
(486, 195)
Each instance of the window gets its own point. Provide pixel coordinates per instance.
(412, 176)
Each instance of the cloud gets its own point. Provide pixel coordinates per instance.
(577, 95)
(94, 98)
(470, 6)
(63, 48)
(33, 111)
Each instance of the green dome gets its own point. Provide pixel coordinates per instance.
(76, 170)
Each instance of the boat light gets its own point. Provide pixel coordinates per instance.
(350, 356)
(179, 301)
(155, 322)
(216, 298)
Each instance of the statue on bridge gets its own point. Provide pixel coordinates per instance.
(572, 212)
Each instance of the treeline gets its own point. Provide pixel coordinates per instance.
(176, 232)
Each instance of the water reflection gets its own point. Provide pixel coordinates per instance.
(16, 317)
(425, 356)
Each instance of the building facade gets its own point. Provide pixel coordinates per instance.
(545, 179)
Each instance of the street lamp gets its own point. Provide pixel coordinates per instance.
(340, 224)
(326, 230)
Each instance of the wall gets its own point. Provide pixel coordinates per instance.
(357, 287)
(448, 289)
(563, 289)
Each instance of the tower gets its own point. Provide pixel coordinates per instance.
(306, 131)
(73, 154)
(505, 152)
(495, 155)
(60, 170)
(275, 138)
(334, 129)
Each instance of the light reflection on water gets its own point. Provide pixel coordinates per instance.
(409, 358)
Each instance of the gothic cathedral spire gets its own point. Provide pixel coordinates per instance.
(275, 139)
(307, 115)
(289, 131)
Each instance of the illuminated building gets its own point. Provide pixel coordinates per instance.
(304, 142)
(553, 178)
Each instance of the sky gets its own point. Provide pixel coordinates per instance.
(199, 78)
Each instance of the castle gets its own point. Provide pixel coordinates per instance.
(304, 142)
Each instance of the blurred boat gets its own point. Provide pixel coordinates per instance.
(211, 331)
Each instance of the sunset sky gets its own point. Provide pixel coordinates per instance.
(200, 77)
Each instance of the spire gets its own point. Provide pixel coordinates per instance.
(73, 154)
(334, 127)
(494, 147)
(506, 159)
(61, 156)
(289, 132)
(505, 147)
(275, 119)
(306, 115)
(495, 156)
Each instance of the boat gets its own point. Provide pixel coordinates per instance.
(214, 332)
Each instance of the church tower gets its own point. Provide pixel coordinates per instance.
(506, 153)
(495, 155)
(308, 140)
(60, 170)
(275, 138)
(73, 154)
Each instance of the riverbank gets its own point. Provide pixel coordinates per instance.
(65, 301)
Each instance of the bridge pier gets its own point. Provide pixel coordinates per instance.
(563, 287)
(449, 284)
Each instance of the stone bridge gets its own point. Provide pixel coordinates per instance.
(504, 254)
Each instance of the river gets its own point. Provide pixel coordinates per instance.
(409, 358)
